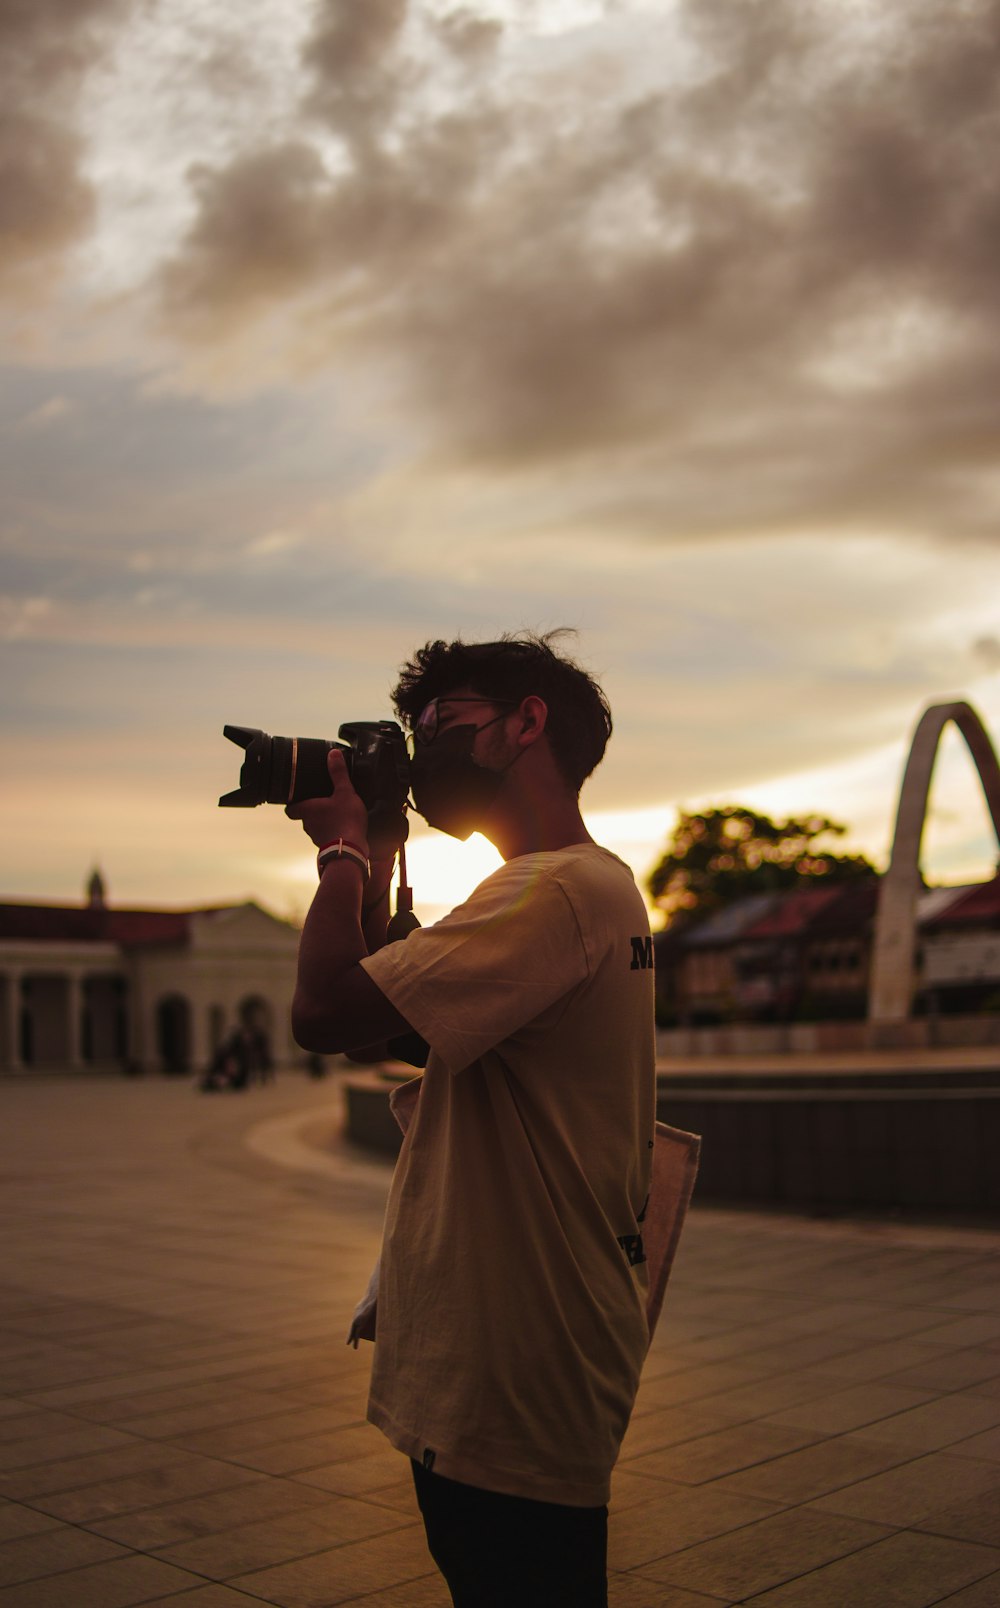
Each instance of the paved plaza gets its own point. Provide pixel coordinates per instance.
(181, 1422)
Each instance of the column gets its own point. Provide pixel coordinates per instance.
(10, 1052)
(74, 1009)
(140, 1040)
(200, 1033)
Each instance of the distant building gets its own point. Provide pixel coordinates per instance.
(772, 954)
(696, 972)
(837, 957)
(807, 956)
(147, 990)
(960, 952)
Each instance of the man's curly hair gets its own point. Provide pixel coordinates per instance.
(518, 665)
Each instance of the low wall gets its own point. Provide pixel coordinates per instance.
(834, 1142)
(807, 1038)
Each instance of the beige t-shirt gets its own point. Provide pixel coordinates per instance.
(511, 1316)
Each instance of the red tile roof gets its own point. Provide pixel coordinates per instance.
(82, 924)
(850, 913)
(791, 915)
(978, 906)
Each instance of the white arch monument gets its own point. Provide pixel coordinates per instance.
(891, 994)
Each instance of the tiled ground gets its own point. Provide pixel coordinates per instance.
(180, 1421)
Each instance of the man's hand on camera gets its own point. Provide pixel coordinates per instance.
(342, 815)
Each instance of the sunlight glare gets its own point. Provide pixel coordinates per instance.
(443, 872)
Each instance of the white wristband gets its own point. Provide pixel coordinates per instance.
(339, 849)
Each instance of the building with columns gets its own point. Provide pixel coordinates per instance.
(93, 987)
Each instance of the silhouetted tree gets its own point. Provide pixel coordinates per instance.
(718, 856)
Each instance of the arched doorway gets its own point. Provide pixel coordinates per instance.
(47, 1027)
(255, 1017)
(105, 1020)
(173, 1033)
(216, 1027)
(255, 1012)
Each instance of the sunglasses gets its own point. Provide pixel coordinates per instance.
(427, 723)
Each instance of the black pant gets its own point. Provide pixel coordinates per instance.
(510, 1552)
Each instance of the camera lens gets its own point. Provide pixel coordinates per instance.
(279, 770)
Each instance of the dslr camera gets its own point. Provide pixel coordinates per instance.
(285, 770)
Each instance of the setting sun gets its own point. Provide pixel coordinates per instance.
(443, 872)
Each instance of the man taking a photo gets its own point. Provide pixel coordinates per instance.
(512, 1297)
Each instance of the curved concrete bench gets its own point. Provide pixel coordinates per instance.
(369, 1120)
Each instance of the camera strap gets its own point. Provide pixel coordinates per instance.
(404, 921)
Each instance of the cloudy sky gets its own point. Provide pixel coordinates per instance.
(331, 326)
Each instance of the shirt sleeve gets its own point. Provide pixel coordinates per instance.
(490, 967)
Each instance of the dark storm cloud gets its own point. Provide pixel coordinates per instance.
(46, 49)
(354, 58)
(469, 37)
(777, 264)
(275, 223)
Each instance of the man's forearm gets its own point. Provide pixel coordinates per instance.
(332, 944)
(375, 904)
(337, 1006)
(375, 911)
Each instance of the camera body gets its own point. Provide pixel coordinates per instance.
(285, 770)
